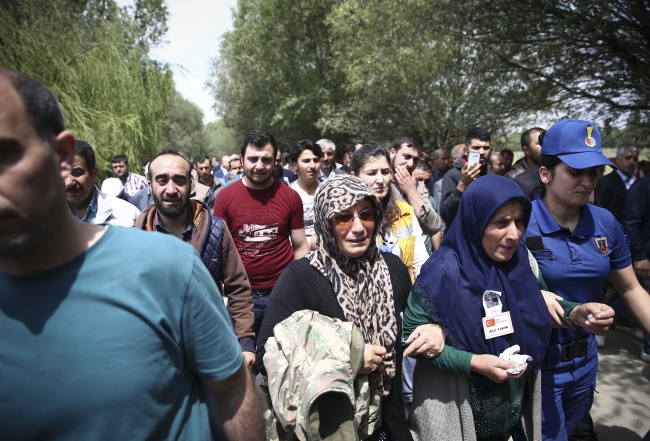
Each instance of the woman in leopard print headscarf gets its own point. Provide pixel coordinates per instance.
(347, 278)
(362, 285)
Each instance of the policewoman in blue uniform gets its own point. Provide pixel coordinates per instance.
(577, 246)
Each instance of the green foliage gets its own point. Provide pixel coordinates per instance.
(593, 56)
(405, 73)
(312, 69)
(112, 94)
(184, 127)
(275, 69)
(221, 140)
(376, 68)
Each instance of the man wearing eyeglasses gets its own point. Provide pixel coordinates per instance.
(462, 174)
(404, 155)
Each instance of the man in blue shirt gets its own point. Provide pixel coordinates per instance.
(95, 348)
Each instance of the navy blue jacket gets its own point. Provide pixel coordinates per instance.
(636, 218)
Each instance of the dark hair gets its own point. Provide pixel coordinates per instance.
(526, 137)
(507, 152)
(40, 103)
(120, 158)
(286, 155)
(303, 145)
(550, 162)
(423, 164)
(372, 150)
(201, 158)
(172, 152)
(477, 133)
(411, 141)
(258, 138)
(83, 149)
(350, 146)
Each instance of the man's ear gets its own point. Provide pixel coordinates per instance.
(93, 175)
(63, 146)
(392, 152)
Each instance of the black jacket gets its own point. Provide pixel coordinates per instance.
(636, 218)
(301, 287)
(530, 182)
(611, 193)
(450, 200)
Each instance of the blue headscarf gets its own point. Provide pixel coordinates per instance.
(455, 277)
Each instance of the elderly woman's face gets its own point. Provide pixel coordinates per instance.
(501, 236)
(353, 239)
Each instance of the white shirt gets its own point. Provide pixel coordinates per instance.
(627, 181)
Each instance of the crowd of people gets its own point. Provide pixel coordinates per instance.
(383, 297)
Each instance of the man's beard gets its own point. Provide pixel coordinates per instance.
(393, 167)
(172, 211)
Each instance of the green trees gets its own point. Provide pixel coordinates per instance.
(275, 68)
(183, 128)
(93, 56)
(340, 68)
(356, 68)
(220, 140)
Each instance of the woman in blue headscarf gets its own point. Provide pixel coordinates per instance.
(480, 288)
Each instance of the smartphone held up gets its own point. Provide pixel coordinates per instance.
(473, 158)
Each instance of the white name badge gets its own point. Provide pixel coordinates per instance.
(497, 325)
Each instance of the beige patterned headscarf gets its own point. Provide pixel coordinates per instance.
(362, 285)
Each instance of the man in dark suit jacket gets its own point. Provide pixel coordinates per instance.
(612, 188)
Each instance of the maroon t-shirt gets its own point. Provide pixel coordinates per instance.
(260, 222)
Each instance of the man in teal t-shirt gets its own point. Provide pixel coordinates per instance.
(108, 333)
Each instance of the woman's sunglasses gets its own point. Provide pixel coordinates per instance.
(345, 219)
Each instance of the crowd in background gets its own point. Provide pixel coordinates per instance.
(449, 293)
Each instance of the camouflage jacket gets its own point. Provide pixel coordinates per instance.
(312, 363)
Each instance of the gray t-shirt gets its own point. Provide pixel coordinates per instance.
(111, 344)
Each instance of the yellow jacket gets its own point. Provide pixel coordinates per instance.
(402, 229)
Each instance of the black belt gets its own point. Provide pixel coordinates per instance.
(261, 292)
(575, 349)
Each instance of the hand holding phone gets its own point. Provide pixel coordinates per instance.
(473, 158)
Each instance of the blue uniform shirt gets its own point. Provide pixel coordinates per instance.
(576, 264)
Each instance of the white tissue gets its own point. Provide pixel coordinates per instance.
(512, 354)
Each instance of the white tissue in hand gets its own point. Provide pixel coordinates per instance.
(512, 354)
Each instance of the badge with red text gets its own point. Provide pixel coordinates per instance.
(497, 325)
(601, 243)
